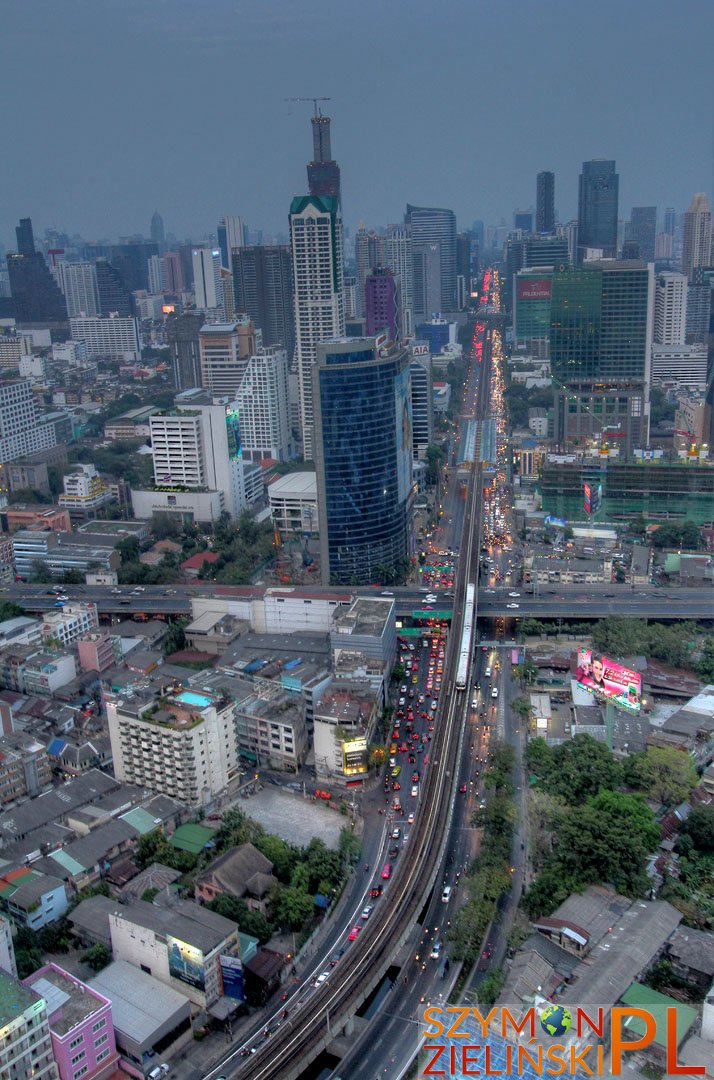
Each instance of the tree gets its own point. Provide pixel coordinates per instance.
(434, 461)
(349, 847)
(522, 707)
(73, 577)
(165, 526)
(152, 847)
(98, 957)
(699, 828)
(39, 572)
(282, 855)
(576, 770)
(249, 922)
(662, 773)
(292, 907)
(28, 961)
(128, 549)
(705, 663)
(672, 534)
(8, 610)
(175, 639)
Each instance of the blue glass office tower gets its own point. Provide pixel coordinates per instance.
(597, 207)
(363, 454)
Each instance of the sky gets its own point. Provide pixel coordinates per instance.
(112, 110)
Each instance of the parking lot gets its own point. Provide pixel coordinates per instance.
(297, 820)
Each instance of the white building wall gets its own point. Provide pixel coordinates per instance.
(113, 336)
(288, 612)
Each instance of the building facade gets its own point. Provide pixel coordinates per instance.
(431, 226)
(263, 287)
(108, 337)
(264, 407)
(364, 460)
(318, 279)
(225, 349)
(383, 306)
(670, 308)
(545, 202)
(697, 240)
(597, 208)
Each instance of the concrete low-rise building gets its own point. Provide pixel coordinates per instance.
(345, 719)
(368, 625)
(152, 1021)
(20, 631)
(99, 650)
(70, 623)
(181, 945)
(32, 899)
(24, 766)
(293, 504)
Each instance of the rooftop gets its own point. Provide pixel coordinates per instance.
(193, 924)
(69, 1001)
(14, 998)
(296, 483)
(366, 616)
(657, 1004)
(141, 1004)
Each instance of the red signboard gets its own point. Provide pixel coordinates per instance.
(533, 288)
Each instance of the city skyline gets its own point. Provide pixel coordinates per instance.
(179, 60)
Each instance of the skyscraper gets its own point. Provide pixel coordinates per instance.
(430, 226)
(79, 284)
(670, 220)
(207, 279)
(383, 306)
(670, 309)
(640, 233)
(600, 349)
(369, 254)
(597, 207)
(523, 219)
(157, 228)
(182, 333)
(173, 273)
(263, 286)
(545, 202)
(225, 349)
(363, 455)
(263, 406)
(697, 242)
(323, 172)
(156, 275)
(318, 283)
(463, 270)
(231, 236)
(114, 296)
(398, 257)
(36, 296)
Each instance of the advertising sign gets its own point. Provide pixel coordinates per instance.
(354, 755)
(233, 433)
(232, 977)
(186, 963)
(403, 420)
(533, 288)
(607, 679)
(592, 498)
(421, 349)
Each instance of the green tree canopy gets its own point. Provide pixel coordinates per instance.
(575, 770)
(292, 907)
(662, 773)
(699, 827)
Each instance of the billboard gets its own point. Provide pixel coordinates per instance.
(232, 977)
(354, 755)
(186, 963)
(533, 288)
(592, 498)
(608, 680)
(403, 421)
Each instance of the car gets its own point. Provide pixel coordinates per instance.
(386, 871)
(415, 791)
(396, 770)
(376, 891)
(366, 912)
(415, 777)
(58, 603)
(513, 607)
(463, 789)
(159, 1070)
(396, 786)
(436, 951)
(139, 588)
(393, 851)
(514, 594)
(494, 692)
(403, 700)
(116, 592)
(433, 706)
(354, 932)
(321, 978)
(410, 819)
(336, 957)
(396, 833)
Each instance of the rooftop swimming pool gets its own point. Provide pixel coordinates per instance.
(188, 697)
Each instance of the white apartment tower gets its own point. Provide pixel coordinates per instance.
(224, 350)
(115, 337)
(670, 309)
(156, 275)
(20, 433)
(197, 446)
(317, 248)
(398, 256)
(263, 406)
(183, 745)
(207, 287)
(78, 282)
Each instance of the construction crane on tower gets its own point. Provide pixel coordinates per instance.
(314, 100)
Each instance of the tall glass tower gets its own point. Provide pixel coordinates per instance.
(433, 229)
(597, 207)
(363, 454)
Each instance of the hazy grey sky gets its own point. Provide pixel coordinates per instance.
(115, 107)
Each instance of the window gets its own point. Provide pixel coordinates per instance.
(79, 1056)
(102, 1039)
(81, 1072)
(77, 1041)
(104, 1053)
(99, 1025)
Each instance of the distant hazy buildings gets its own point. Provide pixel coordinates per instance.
(36, 296)
(545, 202)
(114, 296)
(600, 352)
(597, 208)
(318, 282)
(433, 234)
(640, 233)
(174, 283)
(231, 237)
(363, 454)
(79, 285)
(697, 241)
(207, 288)
(157, 228)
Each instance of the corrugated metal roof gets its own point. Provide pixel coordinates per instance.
(141, 819)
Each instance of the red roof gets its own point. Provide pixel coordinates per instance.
(197, 561)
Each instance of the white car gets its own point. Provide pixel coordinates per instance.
(516, 594)
(322, 978)
(513, 606)
(436, 951)
(367, 912)
(415, 791)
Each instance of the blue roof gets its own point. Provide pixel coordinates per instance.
(56, 747)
